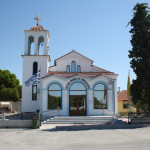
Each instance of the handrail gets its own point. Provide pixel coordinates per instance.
(115, 114)
(49, 112)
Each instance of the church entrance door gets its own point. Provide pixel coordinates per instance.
(77, 105)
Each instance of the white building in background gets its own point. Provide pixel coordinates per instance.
(73, 86)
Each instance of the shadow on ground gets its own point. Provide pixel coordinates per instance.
(95, 127)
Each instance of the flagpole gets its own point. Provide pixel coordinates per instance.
(130, 93)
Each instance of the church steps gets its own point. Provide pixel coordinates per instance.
(84, 118)
(79, 120)
(95, 123)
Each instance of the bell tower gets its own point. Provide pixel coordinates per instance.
(38, 36)
(35, 58)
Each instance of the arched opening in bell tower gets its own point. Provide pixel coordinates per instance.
(41, 45)
(35, 67)
(31, 46)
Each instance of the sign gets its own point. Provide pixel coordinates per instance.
(77, 79)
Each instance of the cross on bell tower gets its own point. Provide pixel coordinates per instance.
(37, 19)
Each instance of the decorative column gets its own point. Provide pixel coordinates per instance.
(89, 101)
(110, 99)
(65, 104)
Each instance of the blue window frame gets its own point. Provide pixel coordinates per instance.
(100, 96)
(68, 68)
(73, 66)
(78, 68)
(54, 96)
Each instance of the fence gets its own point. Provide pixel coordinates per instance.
(138, 118)
(22, 120)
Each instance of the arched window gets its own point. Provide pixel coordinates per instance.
(35, 67)
(54, 96)
(78, 68)
(41, 45)
(68, 68)
(100, 97)
(73, 66)
(34, 91)
(31, 46)
(77, 89)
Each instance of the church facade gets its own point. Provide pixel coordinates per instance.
(73, 86)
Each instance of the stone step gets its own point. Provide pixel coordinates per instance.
(105, 122)
(77, 120)
(83, 118)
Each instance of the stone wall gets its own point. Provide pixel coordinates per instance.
(15, 123)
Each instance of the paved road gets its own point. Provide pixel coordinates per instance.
(117, 139)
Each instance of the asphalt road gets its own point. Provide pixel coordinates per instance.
(116, 139)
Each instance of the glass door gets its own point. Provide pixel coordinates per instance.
(77, 105)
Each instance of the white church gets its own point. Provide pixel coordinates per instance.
(73, 86)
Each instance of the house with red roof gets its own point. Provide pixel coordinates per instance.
(73, 86)
(123, 103)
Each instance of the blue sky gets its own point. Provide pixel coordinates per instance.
(94, 28)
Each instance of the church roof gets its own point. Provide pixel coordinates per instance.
(100, 69)
(36, 28)
(73, 51)
(90, 75)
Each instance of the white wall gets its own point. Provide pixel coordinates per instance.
(90, 98)
(62, 63)
(28, 105)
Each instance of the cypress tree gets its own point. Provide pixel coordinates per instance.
(140, 55)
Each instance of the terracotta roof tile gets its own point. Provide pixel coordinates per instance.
(100, 69)
(37, 28)
(83, 74)
(122, 95)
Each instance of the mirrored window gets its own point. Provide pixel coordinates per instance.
(77, 89)
(77, 86)
(100, 97)
(54, 87)
(54, 96)
(34, 91)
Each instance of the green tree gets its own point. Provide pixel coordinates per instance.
(128, 88)
(10, 88)
(140, 55)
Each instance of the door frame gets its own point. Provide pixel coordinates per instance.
(78, 112)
